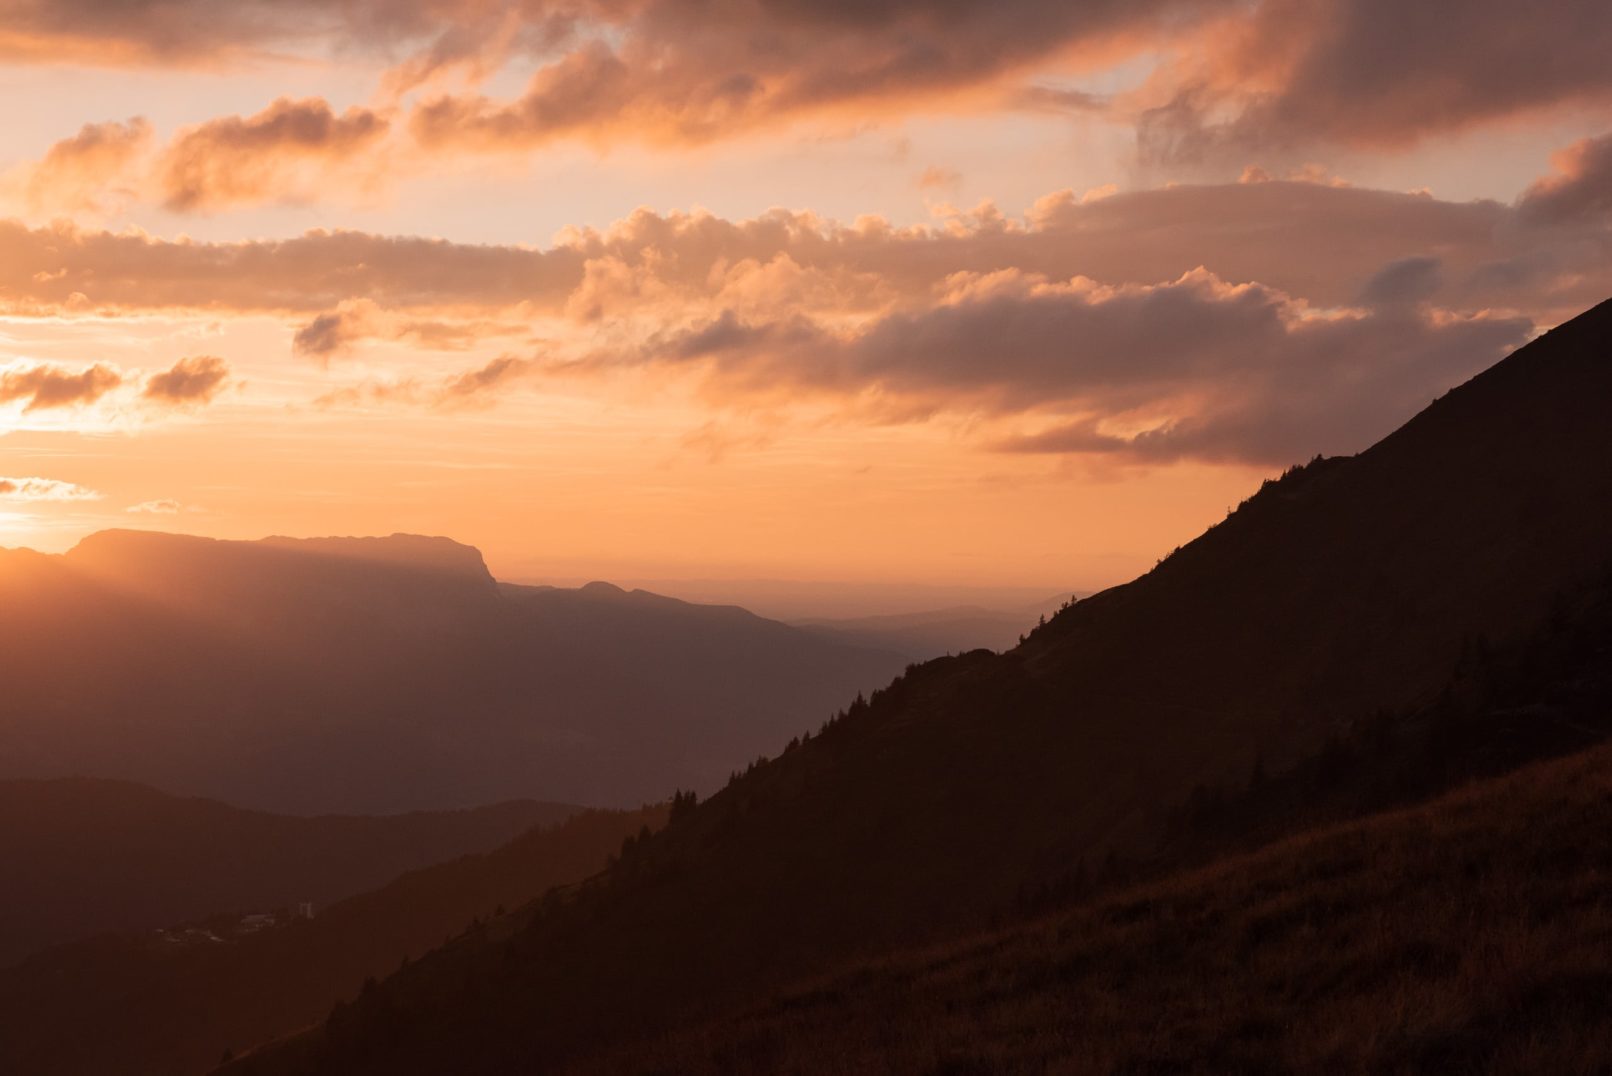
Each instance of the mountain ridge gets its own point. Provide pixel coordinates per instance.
(379, 675)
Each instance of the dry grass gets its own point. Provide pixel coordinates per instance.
(1470, 935)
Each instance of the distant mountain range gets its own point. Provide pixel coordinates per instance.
(86, 856)
(387, 674)
(1436, 606)
(936, 633)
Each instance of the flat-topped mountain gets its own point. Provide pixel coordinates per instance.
(386, 674)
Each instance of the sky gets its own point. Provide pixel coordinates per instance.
(1015, 294)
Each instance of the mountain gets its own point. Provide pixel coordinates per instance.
(937, 632)
(86, 856)
(174, 1000)
(384, 674)
(1338, 597)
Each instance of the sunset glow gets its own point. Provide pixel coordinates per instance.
(1013, 294)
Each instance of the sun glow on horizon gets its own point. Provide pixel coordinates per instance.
(1032, 312)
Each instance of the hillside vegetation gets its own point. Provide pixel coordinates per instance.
(1470, 935)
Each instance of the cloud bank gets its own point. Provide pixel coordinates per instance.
(44, 489)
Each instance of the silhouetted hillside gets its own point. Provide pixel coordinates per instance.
(173, 1001)
(85, 856)
(383, 674)
(1349, 589)
(1470, 935)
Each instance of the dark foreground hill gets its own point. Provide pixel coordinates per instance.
(1348, 594)
(85, 856)
(385, 674)
(173, 1001)
(1469, 935)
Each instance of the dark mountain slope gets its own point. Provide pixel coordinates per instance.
(85, 856)
(1353, 584)
(1351, 587)
(174, 1001)
(1469, 935)
(384, 674)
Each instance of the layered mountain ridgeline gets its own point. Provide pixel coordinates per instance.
(385, 674)
(84, 856)
(174, 1001)
(1350, 590)
(1468, 935)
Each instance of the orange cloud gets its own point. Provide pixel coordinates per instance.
(90, 170)
(1581, 188)
(469, 387)
(283, 153)
(501, 371)
(44, 489)
(1206, 369)
(1236, 73)
(339, 331)
(43, 387)
(191, 381)
(157, 508)
(1285, 74)
(662, 73)
(1322, 243)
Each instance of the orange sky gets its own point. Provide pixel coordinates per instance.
(1006, 294)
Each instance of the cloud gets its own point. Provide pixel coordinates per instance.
(1579, 190)
(288, 152)
(327, 335)
(1404, 282)
(1232, 74)
(89, 171)
(500, 371)
(1319, 242)
(663, 73)
(1038, 98)
(337, 332)
(156, 508)
(936, 178)
(43, 387)
(471, 387)
(320, 337)
(1286, 74)
(1195, 367)
(44, 489)
(190, 381)
(43, 269)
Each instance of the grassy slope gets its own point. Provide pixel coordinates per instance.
(1470, 934)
